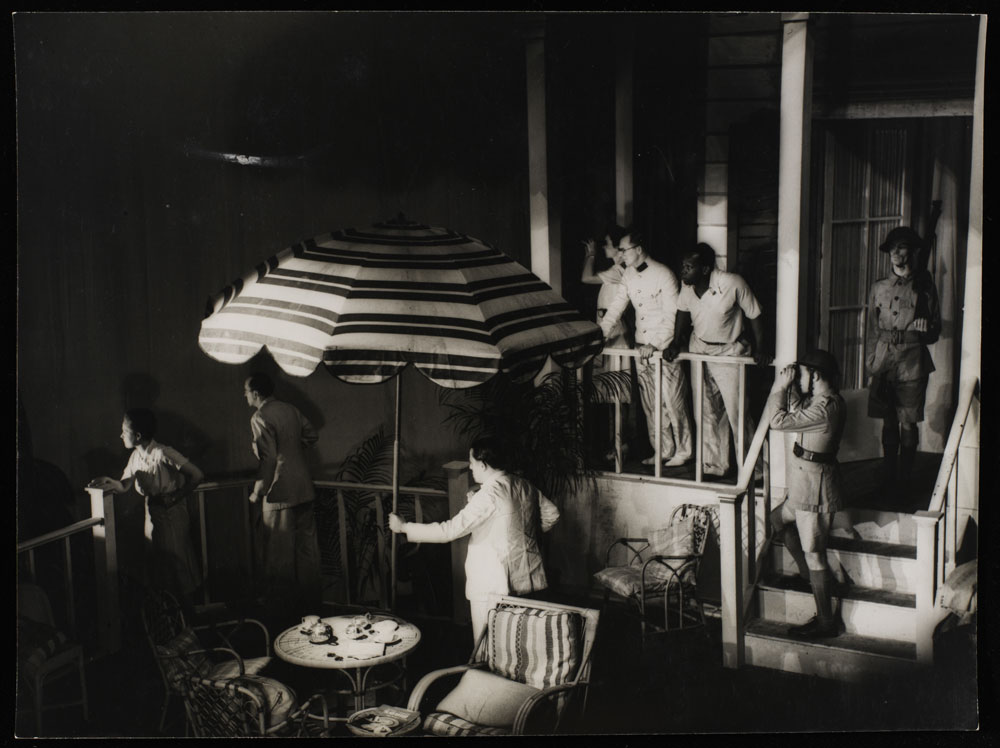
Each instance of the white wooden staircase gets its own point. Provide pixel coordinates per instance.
(873, 556)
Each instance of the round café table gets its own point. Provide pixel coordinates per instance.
(355, 658)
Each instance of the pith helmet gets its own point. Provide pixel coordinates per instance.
(901, 235)
(823, 362)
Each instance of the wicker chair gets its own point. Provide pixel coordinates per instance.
(44, 653)
(663, 568)
(529, 670)
(251, 706)
(180, 649)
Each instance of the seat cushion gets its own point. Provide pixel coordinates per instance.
(279, 699)
(486, 699)
(538, 647)
(625, 580)
(37, 644)
(231, 668)
(449, 725)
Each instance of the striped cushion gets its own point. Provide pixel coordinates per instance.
(537, 647)
(440, 723)
(37, 643)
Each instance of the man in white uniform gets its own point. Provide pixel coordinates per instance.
(652, 289)
(714, 303)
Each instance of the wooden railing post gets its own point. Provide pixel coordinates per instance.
(926, 587)
(731, 562)
(457, 474)
(109, 629)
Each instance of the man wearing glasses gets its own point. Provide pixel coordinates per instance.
(652, 289)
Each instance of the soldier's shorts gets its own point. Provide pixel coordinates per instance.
(906, 398)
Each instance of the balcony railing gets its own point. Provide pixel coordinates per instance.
(620, 357)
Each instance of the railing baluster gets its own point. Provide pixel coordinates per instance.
(380, 538)
(342, 529)
(741, 411)
(203, 529)
(618, 420)
(248, 546)
(699, 417)
(418, 510)
(658, 447)
(70, 597)
(31, 567)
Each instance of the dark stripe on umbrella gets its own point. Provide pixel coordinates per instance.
(365, 237)
(411, 261)
(387, 329)
(350, 252)
(445, 323)
(416, 357)
(552, 310)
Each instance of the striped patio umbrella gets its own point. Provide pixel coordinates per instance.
(368, 302)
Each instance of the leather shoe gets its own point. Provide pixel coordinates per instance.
(814, 628)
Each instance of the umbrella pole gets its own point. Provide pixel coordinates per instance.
(395, 495)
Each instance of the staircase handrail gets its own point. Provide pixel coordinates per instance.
(968, 391)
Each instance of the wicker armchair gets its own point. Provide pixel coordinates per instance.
(529, 670)
(44, 653)
(251, 706)
(663, 568)
(180, 650)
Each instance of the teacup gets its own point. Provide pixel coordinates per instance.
(309, 621)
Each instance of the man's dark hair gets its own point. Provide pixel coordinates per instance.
(705, 255)
(635, 233)
(261, 383)
(487, 449)
(142, 421)
(616, 233)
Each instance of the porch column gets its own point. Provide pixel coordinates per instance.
(546, 264)
(109, 628)
(972, 319)
(793, 182)
(731, 572)
(926, 583)
(457, 474)
(624, 64)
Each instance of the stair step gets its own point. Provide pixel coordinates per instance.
(873, 547)
(845, 657)
(853, 642)
(875, 525)
(867, 563)
(864, 611)
(843, 591)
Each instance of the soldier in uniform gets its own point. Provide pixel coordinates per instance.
(652, 289)
(805, 400)
(904, 317)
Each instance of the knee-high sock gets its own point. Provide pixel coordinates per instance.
(794, 546)
(821, 591)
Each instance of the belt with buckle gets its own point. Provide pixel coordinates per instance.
(825, 457)
(898, 337)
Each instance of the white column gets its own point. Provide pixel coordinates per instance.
(973, 311)
(624, 63)
(793, 180)
(545, 264)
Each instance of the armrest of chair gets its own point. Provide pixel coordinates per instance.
(236, 624)
(302, 719)
(420, 690)
(630, 544)
(529, 705)
(210, 650)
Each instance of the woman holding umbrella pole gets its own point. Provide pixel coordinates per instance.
(505, 517)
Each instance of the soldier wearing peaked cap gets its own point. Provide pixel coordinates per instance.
(805, 400)
(904, 317)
